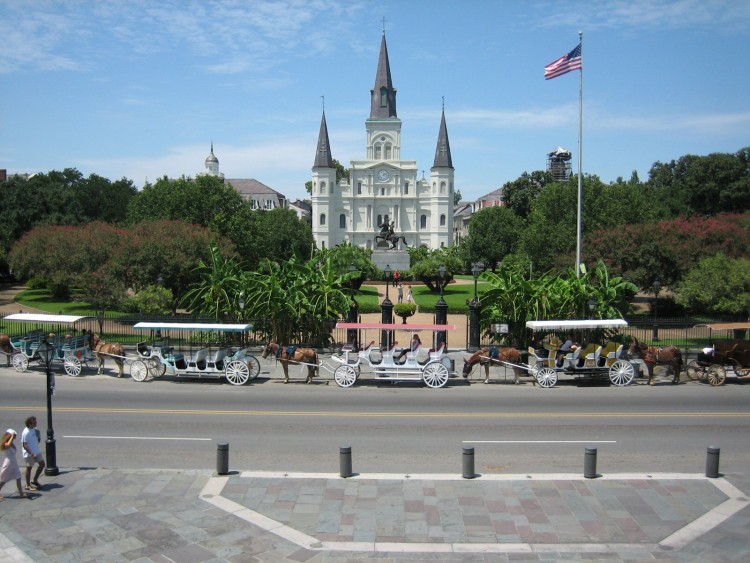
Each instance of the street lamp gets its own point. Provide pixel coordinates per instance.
(46, 352)
(476, 269)
(387, 272)
(592, 306)
(242, 301)
(386, 308)
(353, 308)
(475, 310)
(657, 288)
(441, 310)
(441, 272)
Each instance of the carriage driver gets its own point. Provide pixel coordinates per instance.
(570, 345)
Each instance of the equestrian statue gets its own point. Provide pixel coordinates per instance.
(388, 235)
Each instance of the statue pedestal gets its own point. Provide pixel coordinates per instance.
(394, 259)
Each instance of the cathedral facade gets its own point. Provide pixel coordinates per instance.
(383, 190)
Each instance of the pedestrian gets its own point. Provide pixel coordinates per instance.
(400, 288)
(10, 469)
(410, 296)
(32, 453)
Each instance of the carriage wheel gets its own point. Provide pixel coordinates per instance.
(695, 371)
(345, 376)
(138, 371)
(621, 373)
(237, 372)
(534, 370)
(435, 375)
(546, 377)
(72, 365)
(253, 365)
(739, 370)
(156, 368)
(717, 375)
(20, 362)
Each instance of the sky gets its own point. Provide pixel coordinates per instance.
(140, 89)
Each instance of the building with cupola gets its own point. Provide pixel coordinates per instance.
(382, 188)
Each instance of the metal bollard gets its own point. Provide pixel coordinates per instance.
(345, 461)
(589, 463)
(222, 458)
(712, 462)
(468, 462)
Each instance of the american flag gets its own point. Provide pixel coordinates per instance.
(563, 65)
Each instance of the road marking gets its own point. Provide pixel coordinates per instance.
(539, 441)
(376, 414)
(140, 438)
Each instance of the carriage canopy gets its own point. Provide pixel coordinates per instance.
(576, 324)
(198, 327)
(45, 318)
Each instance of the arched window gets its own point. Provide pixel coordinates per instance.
(342, 221)
(423, 221)
(382, 190)
(378, 150)
(442, 187)
(380, 220)
(442, 220)
(322, 219)
(388, 151)
(406, 188)
(359, 188)
(322, 187)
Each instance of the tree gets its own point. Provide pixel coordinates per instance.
(494, 233)
(456, 197)
(427, 270)
(341, 172)
(717, 284)
(520, 194)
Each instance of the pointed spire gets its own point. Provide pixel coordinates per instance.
(323, 158)
(443, 149)
(383, 94)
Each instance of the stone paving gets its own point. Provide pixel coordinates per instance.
(97, 514)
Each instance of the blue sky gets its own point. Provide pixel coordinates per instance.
(139, 89)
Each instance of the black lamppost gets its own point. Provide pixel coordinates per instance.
(475, 310)
(46, 352)
(351, 335)
(657, 288)
(386, 308)
(441, 309)
(241, 318)
(592, 306)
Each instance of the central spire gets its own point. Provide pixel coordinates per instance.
(383, 94)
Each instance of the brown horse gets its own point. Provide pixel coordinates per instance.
(103, 349)
(296, 356)
(6, 347)
(494, 356)
(653, 356)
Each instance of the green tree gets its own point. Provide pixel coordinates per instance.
(520, 194)
(494, 233)
(341, 172)
(717, 285)
(218, 289)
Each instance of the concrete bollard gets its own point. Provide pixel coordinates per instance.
(589, 463)
(222, 458)
(468, 463)
(712, 462)
(345, 461)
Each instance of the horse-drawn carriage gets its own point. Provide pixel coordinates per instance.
(594, 361)
(57, 331)
(214, 357)
(431, 366)
(723, 358)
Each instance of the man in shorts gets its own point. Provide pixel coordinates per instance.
(32, 453)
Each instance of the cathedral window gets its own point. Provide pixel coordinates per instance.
(406, 188)
(378, 150)
(442, 220)
(359, 188)
(322, 187)
(342, 221)
(322, 219)
(442, 187)
(383, 97)
(382, 191)
(387, 151)
(423, 222)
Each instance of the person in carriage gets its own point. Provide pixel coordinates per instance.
(415, 344)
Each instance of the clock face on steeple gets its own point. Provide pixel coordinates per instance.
(384, 175)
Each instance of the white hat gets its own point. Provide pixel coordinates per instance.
(11, 431)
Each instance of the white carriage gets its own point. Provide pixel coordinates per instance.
(432, 366)
(594, 361)
(157, 356)
(73, 351)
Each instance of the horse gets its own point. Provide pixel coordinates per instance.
(293, 355)
(653, 356)
(104, 349)
(494, 356)
(391, 238)
(5, 346)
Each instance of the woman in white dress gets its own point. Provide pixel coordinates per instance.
(10, 469)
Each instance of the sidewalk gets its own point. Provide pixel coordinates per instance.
(97, 514)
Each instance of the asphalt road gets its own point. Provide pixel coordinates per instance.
(102, 421)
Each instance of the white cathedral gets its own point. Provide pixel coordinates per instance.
(382, 187)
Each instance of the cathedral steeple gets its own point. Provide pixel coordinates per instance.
(323, 158)
(443, 150)
(383, 94)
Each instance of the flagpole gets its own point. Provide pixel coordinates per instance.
(579, 226)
